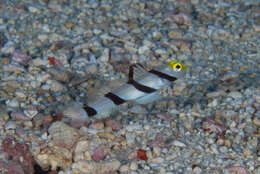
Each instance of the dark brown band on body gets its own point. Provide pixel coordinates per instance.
(117, 100)
(163, 75)
(137, 85)
(141, 87)
(90, 111)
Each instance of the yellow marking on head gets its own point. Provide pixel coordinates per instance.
(176, 66)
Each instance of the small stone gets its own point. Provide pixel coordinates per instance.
(178, 143)
(56, 86)
(105, 55)
(238, 170)
(12, 103)
(93, 167)
(179, 87)
(143, 50)
(81, 151)
(132, 155)
(180, 18)
(215, 94)
(158, 160)
(31, 111)
(230, 76)
(235, 94)
(175, 34)
(97, 125)
(156, 151)
(157, 35)
(69, 24)
(133, 166)
(33, 9)
(54, 157)
(63, 135)
(19, 116)
(59, 74)
(8, 48)
(20, 94)
(43, 37)
(113, 124)
(106, 135)
(28, 124)
(124, 168)
(100, 153)
(256, 121)
(130, 138)
(20, 57)
(10, 125)
(257, 98)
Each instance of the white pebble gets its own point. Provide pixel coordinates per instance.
(235, 94)
(178, 143)
(12, 103)
(133, 166)
(10, 125)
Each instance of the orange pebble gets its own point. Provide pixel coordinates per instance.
(48, 118)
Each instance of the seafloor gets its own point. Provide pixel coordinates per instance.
(58, 54)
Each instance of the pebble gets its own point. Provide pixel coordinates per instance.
(116, 126)
(81, 149)
(63, 135)
(235, 94)
(133, 166)
(158, 160)
(12, 103)
(143, 50)
(130, 138)
(156, 151)
(124, 168)
(97, 125)
(93, 167)
(31, 111)
(55, 86)
(106, 135)
(216, 94)
(20, 57)
(10, 125)
(178, 143)
(257, 98)
(19, 116)
(230, 76)
(54, 157)
(59, 74)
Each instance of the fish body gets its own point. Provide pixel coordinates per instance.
(143, 89)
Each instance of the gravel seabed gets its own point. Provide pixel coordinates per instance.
(58, 54)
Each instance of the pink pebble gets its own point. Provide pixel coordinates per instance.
(158, 141)
(164, 117)
(180, 18)
(113, 124)
(212, 126)
(20, 57)
(97, 125)
(99, 153)
(19, 116)
(238, 170)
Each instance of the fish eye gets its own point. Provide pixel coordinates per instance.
(177, 67)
